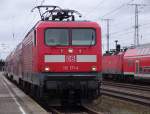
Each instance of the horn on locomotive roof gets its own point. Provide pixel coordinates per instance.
(55, 13)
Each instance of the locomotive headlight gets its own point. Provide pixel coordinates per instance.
(70, 50)
(47, 69)
(93, 68)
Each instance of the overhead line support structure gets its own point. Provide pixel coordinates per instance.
(108, 31)
(136, 27)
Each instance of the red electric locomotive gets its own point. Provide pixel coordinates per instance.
(113, 63)
(59, 57)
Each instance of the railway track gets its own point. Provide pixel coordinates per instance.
(83, 109)
(126, 85)
(135, 93)
(72, 110)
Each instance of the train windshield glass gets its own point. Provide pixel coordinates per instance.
(83, 37)
(57, 37)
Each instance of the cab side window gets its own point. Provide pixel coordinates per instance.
(34, 38)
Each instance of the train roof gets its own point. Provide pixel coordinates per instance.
(83, 23)
(143, 46)
(66, 24)
(140, 50)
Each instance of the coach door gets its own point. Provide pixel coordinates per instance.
(136, 66)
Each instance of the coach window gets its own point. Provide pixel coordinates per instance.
(34, 38)
(149, 51)
(139, 52)
(57, 37)
(140, 69)
(146, 51)
(83, 37)
(142, 53)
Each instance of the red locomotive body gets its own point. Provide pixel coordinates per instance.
(76, 54)
(59, 58)
(137, 62)
(113, 65)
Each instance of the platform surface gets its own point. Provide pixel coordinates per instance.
(14, 101)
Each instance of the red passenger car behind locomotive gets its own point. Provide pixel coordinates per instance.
(137, 62)
(59, 58)
(129, 64)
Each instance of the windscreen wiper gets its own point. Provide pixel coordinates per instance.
(92, 40)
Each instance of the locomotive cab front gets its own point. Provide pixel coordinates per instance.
(69, 57)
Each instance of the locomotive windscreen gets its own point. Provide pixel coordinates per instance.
(57, 37)
(83, 36)
(61, 37)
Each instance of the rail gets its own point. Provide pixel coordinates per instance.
(54, 111)
(89, 110)
(134, 93)
(127, 85)
(81, 110)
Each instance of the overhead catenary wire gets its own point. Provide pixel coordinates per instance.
(42, 2)
(29, 25)
(129, 28)
(122, 22)
(148, 34)
(36, 2)
(116, 9)
(32, 20)
(91, 11)
(126, 29)
(126, 33)
(13, 28)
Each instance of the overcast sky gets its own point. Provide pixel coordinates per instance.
(16, 19)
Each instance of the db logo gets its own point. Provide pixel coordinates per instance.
(70, 58)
